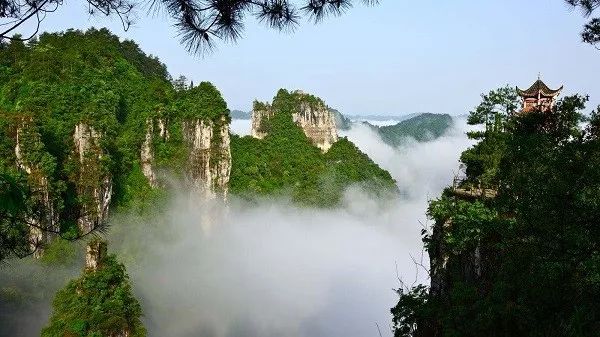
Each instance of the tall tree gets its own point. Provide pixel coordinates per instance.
(199, 22)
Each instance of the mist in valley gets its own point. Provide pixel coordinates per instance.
(270, 268)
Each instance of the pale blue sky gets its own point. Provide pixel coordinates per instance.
(399, 57)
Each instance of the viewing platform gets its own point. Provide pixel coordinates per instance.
(462, 189)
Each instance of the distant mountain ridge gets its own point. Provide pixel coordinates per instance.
(239, 114)
(421, 127)
(398, 118)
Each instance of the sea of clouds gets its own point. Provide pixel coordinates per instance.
(272, 269)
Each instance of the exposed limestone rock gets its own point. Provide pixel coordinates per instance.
(94, 184)
(147, 151)
(147, 154)
(209, 162)
(313, 116)
(318, 124)
(45, 222)
(260, 114)
(95, 253)
(162, 128)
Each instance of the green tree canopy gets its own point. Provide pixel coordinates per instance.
(99, 303)
(527, 262)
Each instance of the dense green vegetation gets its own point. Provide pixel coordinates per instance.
(526, 262)
(286, 163)
(50, 85)
(99, 303)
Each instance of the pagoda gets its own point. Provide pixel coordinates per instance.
(538, 97)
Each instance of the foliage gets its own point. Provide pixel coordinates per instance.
(99, 303)
(408, 314)
(13, 209)
(59, 251)
(203, 101)
(591, 31)
(50, 85)
(286, 163)
(525, 263)
(493, 113)
(198, 23)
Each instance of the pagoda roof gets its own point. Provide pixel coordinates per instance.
(539, 87)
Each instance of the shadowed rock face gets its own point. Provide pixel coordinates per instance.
(311, 114)
(44, 223)
(94, 184)
(96, 251)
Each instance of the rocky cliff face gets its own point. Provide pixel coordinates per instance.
(318, 124)
(447, 265)
(209, 162)
(208, 146)
(96, 251)
(147, 151)
(45, 221)
(259, 114)
(310, 113)
(94, 183)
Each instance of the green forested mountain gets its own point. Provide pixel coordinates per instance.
(515, 248)
(423, 127)
(420, 127)
(87, 120)
(286, 163)
(87, 125)
(53, 84)
(74, 112)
